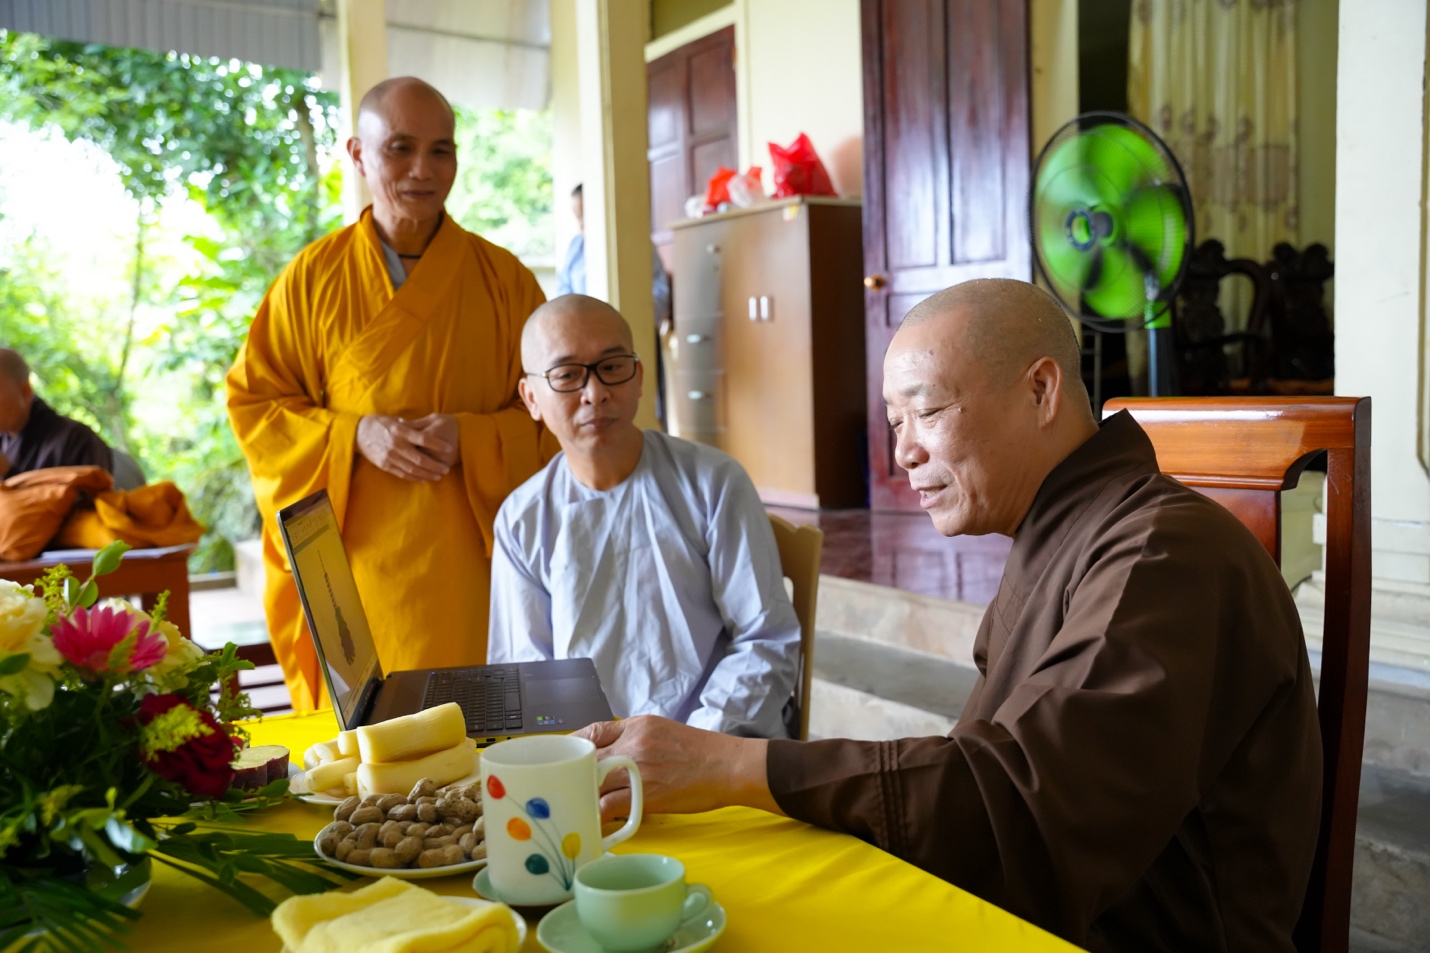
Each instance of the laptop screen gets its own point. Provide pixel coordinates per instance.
(330, 599)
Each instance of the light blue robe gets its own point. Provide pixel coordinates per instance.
(669, 582)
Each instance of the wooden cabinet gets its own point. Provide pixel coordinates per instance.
(767, 351)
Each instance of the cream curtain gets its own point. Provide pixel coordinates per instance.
(1217, 80)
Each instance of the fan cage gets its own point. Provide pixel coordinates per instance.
(1167, 293)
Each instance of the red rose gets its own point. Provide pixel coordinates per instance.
(186, 744)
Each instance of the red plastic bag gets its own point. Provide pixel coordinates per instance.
(798, 171)
(718, 190)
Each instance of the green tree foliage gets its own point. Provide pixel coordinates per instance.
(503, 187)
(242, 140)
(252, 146)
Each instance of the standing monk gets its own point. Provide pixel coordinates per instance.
(382, 365)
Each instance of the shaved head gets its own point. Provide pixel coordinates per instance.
(984, 396)
(16, 395)
(593, 412)
(1005, 325)
(405, 148)
(395, 93)
(13, 367)
(571, 318)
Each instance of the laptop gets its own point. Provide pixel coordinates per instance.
(499, 701)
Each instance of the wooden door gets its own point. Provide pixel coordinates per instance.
(691, 127)
(946, 161)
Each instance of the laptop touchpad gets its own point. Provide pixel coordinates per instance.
(544, 692)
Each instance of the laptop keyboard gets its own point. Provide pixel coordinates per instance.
(489, 697)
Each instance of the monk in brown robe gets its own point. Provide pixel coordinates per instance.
(1138, 767)
(33, 436)
(382, 366)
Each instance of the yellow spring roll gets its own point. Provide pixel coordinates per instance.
(399, 777)
(348, 744)
(412, 736)
(329, 775)
(320, 753)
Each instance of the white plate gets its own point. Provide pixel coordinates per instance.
(297, 786)
(401, 873)
(479, 902)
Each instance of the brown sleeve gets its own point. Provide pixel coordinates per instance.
(1058, 803)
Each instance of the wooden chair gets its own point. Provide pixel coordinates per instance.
(1243, 452)
(1199, 327)
(800, 547)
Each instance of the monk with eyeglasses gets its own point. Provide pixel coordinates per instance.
(648, 554)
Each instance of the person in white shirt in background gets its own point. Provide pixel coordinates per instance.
(571, 276)
(648, 554)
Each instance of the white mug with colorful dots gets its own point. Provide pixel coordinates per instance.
(541, 799)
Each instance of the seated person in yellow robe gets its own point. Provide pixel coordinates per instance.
(382, 366)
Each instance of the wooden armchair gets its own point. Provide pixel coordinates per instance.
(1243, 452)
(1199, 327)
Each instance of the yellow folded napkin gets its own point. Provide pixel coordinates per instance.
(390, 916)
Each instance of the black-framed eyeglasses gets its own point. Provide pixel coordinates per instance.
(569, 378)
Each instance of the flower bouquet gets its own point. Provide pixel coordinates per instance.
(116, 741)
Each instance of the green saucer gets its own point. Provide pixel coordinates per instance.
(560, 931)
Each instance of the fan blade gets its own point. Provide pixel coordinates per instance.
(1067, 266)
(1118, 289)
(1155, 221)
(1066, 181)
(1124, 160)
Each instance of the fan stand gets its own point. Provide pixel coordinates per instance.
(1160, 367)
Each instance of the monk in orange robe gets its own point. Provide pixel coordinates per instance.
(383, 366)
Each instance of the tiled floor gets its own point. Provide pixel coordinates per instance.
(904, 551)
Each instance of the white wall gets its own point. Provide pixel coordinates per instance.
(566, 119)
(1381, 259)
(1380, 238)
(802, 72)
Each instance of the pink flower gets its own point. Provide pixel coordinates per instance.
(87, 637)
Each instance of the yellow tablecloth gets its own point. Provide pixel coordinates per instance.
(784, 885)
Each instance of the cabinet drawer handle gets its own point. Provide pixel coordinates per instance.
(754, 308)
(700, 395)
(696, 338)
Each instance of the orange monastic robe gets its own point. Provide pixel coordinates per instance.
(333, 342)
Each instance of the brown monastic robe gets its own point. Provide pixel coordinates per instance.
(50, 439)
(1139, 764)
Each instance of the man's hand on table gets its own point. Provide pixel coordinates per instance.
(684, 770)
(403, 449)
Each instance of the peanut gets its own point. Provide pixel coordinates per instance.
(384, 857)
(345, 809)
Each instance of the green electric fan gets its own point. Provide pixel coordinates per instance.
(1111, 220)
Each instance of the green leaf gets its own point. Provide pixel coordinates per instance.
(13, 664)
(107, 559)
(88, 594)
(71, 591)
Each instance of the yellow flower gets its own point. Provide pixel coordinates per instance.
(22, 615)
(22, 620)
(180, 657)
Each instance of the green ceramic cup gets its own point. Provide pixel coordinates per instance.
(634, 902)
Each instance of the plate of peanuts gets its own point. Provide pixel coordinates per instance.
(430, 832)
